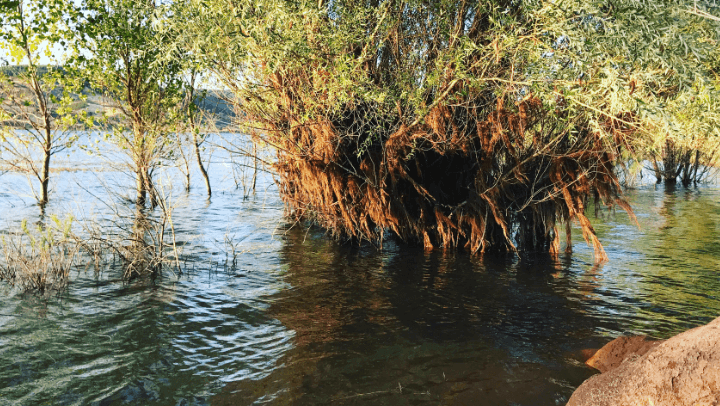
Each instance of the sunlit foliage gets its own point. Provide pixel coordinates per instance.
(121, 53)
(36, 102)
(476, 124)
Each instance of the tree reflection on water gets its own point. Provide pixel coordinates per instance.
(409, 327)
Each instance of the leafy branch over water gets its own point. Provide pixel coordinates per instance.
(484, 125)
(481, 125)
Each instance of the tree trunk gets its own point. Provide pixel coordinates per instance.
(695, 166)
(254, 180)
(185, 162)
(150, 187)
(204, 173)
(670, 164)
(141, 162)
(686, 169)
(190, 100)
(48, 137)
(45, 174)
(140, 187)
(658, 172)
(45, 181)
(42, 102)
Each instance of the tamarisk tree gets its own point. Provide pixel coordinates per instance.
(483, 125)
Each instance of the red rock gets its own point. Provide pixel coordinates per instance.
(683, 370)
(618, 350)
(586, 353)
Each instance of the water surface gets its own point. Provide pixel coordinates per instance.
(295, 318)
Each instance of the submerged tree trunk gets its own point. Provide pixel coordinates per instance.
(670, 165)
(140, 188)
(658, 171)
(204, 173)
(185, 161)
(145, 188)
(679, 164)
(142, 157)
(686, 169)
(255, 166)
(47, 135)
(45, 174)
(141, 255)
(45, 181)
(47, 120)
(192, 111)
(695, 166)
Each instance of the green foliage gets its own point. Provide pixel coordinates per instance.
(655, 59)
(36, 101)
(122, 54)
(597, 59)
(337, 84)
(32, 27)
(6, 5)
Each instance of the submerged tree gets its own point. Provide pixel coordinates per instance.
(35, 101)
(191, 118)
(477, 124)
(121, 54)
(691, 148)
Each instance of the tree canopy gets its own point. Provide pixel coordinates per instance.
(483, 124)
(121, 52)
(477, 124)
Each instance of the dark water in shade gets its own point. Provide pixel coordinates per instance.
(303, 320)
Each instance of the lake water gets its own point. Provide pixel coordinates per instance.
(299, 319)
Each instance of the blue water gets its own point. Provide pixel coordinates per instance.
(264, 313)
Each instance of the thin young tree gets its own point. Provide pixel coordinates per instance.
(194, 115)
(36, 102)
(121, 53)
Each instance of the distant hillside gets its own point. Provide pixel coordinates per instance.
(16, 70)
(215, 103)
(217, 109)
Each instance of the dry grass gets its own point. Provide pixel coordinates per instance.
(39, 258)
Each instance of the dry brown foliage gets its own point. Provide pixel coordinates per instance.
(436, 142)
(462, 177)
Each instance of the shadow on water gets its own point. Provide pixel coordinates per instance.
(409, 327)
